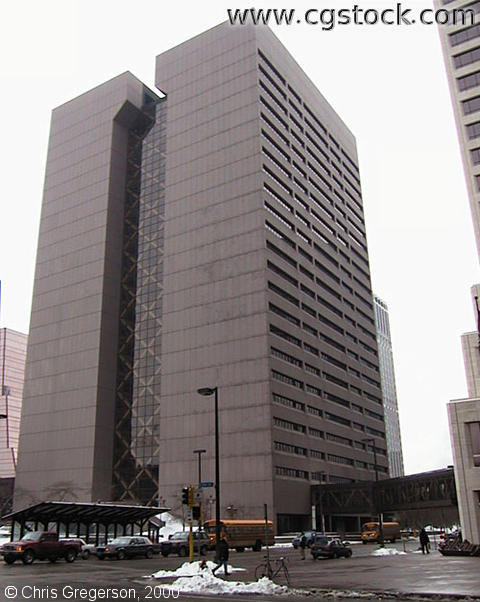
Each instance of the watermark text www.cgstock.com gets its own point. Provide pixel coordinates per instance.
(329, 18)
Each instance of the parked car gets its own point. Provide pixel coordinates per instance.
(327, 547)
(41, 545)
(178, 543)
(126, 547)
(86, 549)
(310, 535)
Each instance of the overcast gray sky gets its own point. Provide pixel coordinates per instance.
(388, 84)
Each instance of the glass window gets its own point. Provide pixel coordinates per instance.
(474, 429)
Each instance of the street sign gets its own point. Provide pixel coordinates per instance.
(206, 484)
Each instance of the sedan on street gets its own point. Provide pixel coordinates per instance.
(326, 547)
(126, 547)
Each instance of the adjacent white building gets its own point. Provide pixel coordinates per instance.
(13, 348)
(461, 48)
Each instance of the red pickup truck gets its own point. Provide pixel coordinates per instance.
(41, 545)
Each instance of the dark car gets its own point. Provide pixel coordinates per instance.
(40, 545)
(326, 547)
(126, 547)
(310, 535)
(178, 543)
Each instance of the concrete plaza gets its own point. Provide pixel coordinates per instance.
(403, 577)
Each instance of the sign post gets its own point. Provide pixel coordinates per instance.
(266, 533)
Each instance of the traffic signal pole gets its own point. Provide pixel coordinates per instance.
(187, 500)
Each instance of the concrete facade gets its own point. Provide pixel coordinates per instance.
(267, 289)
(66, 435)
(13, 348)
(219, 242)
(390, 402)
(461, 49)
(464, 415)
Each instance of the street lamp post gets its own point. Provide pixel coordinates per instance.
(375, 466)
(207, 392)
(200, 452)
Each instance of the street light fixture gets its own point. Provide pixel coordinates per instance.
(207, 392)
(375, 466)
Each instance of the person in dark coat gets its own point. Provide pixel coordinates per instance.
(424, 542)
(222, 556)
(303, 545)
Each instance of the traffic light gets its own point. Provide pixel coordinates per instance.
(185, 495)
(196, 513)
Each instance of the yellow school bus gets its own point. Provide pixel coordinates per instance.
(371, 532)
(241, 533)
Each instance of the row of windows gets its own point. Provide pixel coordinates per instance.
(466, 58)
(281, 89)
(318, 233)
(280, 121)
(321, 476)
(471, 105)
(301, 218)
(290, 449)
(317, 372)
(465, 35)
(320, 434)
(313, 350)
(294, 282)
(302, 451)
(291, 472)
(475, 155)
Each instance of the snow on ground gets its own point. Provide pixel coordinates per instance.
(283, 544)
(213, 585)
(192, 578)
(386, 552)
(191, 569)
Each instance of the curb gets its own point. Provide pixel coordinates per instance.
(389, 595)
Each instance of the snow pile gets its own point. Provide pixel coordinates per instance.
(192, 569)
(340, 593)
(386, 552)
(192, 578)
(172, 524)
(208, 583)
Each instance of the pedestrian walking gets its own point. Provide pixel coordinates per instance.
(303, 545)
(424, 541)
(222, 556)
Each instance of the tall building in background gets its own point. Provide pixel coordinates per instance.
(13, 347)
(461, 48)
(212, 235)
(387, 375)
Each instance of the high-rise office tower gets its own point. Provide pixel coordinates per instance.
(212, 236)
(387, 377)
(13, 347)
(461, 48)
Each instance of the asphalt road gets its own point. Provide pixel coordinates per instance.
(399, 576)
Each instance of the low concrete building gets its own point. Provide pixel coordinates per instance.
(464, 418)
